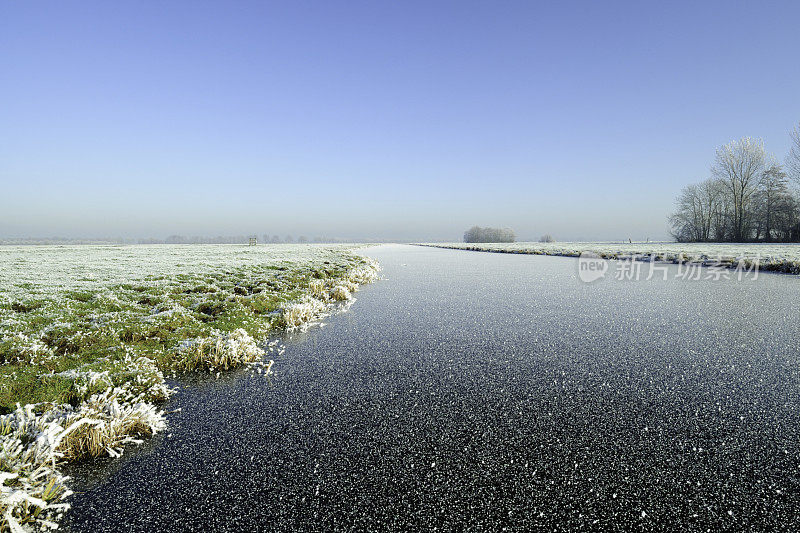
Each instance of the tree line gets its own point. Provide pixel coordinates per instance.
(749, 197)
(235, 239)
(478, 234)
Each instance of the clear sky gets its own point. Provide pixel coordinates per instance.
(377, 119)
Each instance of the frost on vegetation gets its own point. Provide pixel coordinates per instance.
(261, 367)
(84, 381)
(316, 304)
(138, 377)
(770, 257)
(32, 444)
(365, 273)
(97, 326)
(299, 313)
(340, 292)
(105, 423)
(22, 348)
(217, 352)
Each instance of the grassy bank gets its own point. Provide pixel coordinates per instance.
(770, 257)
(88, 332)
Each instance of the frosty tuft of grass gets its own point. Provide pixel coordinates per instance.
(217, 352)
(33, 443)
(105, 423)
(341, 293)
(299, 313)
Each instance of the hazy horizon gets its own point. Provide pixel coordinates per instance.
(369, 121)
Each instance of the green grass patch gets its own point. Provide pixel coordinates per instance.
(97, 325)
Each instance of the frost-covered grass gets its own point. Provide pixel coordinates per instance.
(34, 439)
(87, 332)
(772, 257)
(218, 352)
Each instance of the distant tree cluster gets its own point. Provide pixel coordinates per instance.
(748, 197)
(234, 239)
(275, 239)
(172, 239)
(478, 234)
(181, 239)
(22, 241)
(547, 238)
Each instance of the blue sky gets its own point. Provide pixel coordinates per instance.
(395, 120)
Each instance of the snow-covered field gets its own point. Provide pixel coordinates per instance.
(773, 257)
(87, 333)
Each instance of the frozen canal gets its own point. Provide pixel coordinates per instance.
(479, 391)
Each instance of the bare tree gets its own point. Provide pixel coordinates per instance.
(748, 198)
(716, 209)
(773, 202)
(698, 209)
(684, 220)
(739, 165)
(793, 159)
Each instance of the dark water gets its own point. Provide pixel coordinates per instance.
(487, 391)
